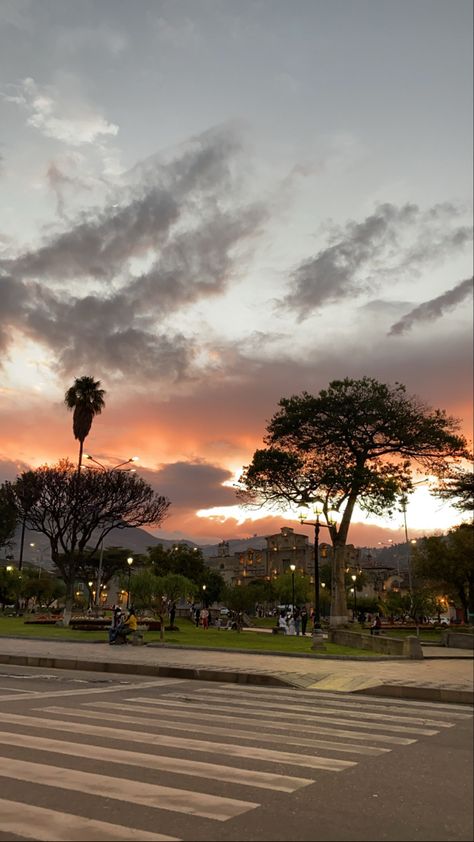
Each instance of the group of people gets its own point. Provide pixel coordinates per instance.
(294, 621)
(200, 616)
(122, 626)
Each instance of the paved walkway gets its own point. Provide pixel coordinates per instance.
(444, 675)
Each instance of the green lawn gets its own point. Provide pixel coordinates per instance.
(188, 635)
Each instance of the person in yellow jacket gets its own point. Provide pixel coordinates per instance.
(128, 627)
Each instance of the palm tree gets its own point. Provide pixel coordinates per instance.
(87, 400)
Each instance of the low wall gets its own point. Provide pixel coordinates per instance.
(457, 640)
(410, 647)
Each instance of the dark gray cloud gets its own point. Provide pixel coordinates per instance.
(176, 215)
(390, 242)
(192, 485)
(98, 247)
(433, 309)
(10, 469)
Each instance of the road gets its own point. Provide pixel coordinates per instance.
(93, 757)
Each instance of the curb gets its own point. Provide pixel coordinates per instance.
(396, 691)
(422, 694)
(198, 674)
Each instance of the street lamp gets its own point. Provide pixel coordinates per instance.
(354, 579)
(293, 568)
(90, 593)
(330, 517)
(105, 469)
(204, 600)
(129, 562)
(114, 467)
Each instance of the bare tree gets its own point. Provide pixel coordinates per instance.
(76, 512)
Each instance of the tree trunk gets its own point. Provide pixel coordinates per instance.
(67, 613)
(79, 461)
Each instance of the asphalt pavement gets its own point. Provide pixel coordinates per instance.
(442, 676)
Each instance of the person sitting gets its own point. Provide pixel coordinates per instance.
(128, 627)
(282, 624)
(376, 625)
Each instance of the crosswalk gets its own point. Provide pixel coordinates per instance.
(152, 766)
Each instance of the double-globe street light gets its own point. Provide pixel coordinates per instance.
(107, 469)
(354, 579)
(318, 509)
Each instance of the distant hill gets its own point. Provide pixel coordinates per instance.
(134, 539)
(138, 540)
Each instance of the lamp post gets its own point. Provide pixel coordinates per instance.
(105, 469)
(292, 568)
(204, 600)
(114, 467)
(39, 556)
(129, 562)
(354, 579)
(318, 510)
(90, 593)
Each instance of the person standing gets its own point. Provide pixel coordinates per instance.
(172, 614)
(205, 618)
(282, 624)
(297, 619)
(304, 620)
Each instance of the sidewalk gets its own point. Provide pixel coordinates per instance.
(443, 676)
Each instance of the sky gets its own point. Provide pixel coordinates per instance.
(211, 205)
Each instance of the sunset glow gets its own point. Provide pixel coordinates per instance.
(203, 212)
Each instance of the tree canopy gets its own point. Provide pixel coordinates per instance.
(358, 441)
(448, 561)
(183, 559)
(457, 487)
(77, 511)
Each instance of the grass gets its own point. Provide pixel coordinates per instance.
(188, 635)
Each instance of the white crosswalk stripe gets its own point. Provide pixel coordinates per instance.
(45, 825)
(149, 753)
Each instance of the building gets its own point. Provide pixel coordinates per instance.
(287, 547)
(283, 549)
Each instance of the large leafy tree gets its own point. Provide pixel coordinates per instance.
(283, 587)
(448, 562)
(155, 592)
(114, 562)
(458, 488)
(86, 399)
(76, 512)
(358, 441)
(182, 559)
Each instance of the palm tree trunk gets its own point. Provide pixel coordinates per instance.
(79, 461)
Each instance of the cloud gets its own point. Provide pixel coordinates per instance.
(80, 293)
(191, 485)
(83, 38)
(433, 309)
(10, 469)
(388, 244)
(182, 34)
(16, 13)
(62, 116)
